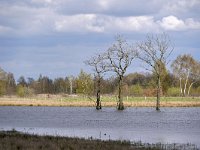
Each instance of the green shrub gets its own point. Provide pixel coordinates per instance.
(173, 91)
(136, 90)
(2, 88)
(21, 91)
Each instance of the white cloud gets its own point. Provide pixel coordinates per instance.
(104, 23)
(107, 24)
(103, 4)
(27, 19)
(173, 23)
(190, 23)
(78, 23)
(140, 23)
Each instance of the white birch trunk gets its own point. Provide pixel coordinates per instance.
(190, 88)
(181, 90)
(184, 92)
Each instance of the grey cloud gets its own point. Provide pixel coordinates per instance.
(56, 36)
(24, 19)
(181, 8)
(156, 8)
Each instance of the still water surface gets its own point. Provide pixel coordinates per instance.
(170, 125)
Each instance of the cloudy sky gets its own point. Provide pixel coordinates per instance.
(54, 37)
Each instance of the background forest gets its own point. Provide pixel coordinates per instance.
(183, 80)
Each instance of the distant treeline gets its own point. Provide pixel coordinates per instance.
(135, 84)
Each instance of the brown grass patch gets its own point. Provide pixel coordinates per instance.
(90, 102)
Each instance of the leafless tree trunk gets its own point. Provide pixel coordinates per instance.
(190, 88)
(71, 84)
(195, 75)
(120, 104)
(158, 93)
(98, 102)
(99, 67)
(181, 90)
(120, 57)
(154, 52)
(186, 82)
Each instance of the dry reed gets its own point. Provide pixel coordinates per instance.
(81, 101)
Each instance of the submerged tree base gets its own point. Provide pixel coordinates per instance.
(158, 108)
(98, 107)
(120, 106)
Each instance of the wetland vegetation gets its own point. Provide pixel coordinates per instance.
(106, 101)
(13, 140)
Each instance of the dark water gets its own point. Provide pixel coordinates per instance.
(170, 125)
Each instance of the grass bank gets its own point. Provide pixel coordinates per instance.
(13, 140)
(107, 101)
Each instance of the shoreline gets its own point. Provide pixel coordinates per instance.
(61, 103)
(105, 105)
(18, 140)
(106, 102)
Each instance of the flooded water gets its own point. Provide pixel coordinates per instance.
(170, 125)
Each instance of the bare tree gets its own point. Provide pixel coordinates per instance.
(154, 52)
(120, 57)
(70, 78)
(3, 74)
(177, 67)
(186, 68)
(195, 76)
(99, 67)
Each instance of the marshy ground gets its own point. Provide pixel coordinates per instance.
(13, 140)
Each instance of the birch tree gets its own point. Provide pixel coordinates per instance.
(195, 76)
(3, 76)
(70, 80)
(120, 56)
(186, 68)
(177, 66)
(99, 67)
(155, 52)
